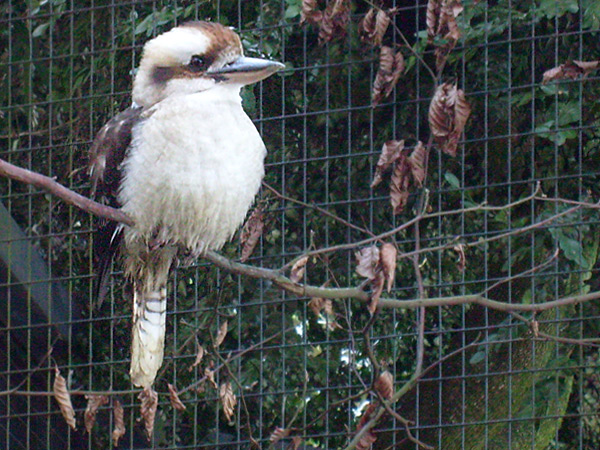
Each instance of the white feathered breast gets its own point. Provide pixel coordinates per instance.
(193, 170)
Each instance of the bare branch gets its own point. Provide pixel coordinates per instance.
(67, 195)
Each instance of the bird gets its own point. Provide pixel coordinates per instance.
(184, 162)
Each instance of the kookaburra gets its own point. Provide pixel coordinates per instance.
(184, 162)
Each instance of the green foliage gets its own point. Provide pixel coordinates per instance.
(66, 73)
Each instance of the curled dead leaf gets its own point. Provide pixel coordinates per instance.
(221, 334)
(199, 355)
(119, 421)
(448, 115)
(571, 70)
(366, 416)
(447, 26)
(251, 233)
(210, 376)
(94, 402)
(334, 21)
(367, 26)
(384, 385)
(417, 161)
(390, 152)
(279, 434)
(373, 26)
(366, 441)
(297, 272)
(176, 402)
(369, 437)
(441, 22)
(149, 404)
(387, 258)
(228, 399)
(316, 305)
(391, 67)
(368, 260)
(461, 264)
(369, 266)
(63, 398)
(296, 441)
(432, 18)
(310, 12)
(376, 290)
(400, 184)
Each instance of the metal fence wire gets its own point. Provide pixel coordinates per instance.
(451, 144)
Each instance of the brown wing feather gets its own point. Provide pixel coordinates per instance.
(106, 155)
(108, 151)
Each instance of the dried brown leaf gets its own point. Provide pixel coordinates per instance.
(63, 398)
(149, 404)
(334, 21)
(441, 114)
(366, 441)
(367, 26)
(433, 17)
(387, 259)
(209, 373)
(310, 12)
(417, 162)
(570, 70)
(94, 402)
(316, 305)
(328, 308)
(400, 184)
(228, 399)
(368, 260)
(390, 152)
(384, 385)
(391, 67)
(279, 434)
(200, 351)
(448, 115)
(296, 441)
(441, 22)
(297, 272)
(587, 66)
(176, 402)
(448, 21)
(373, 26)
(369, 437)
(221, 334)
(462, 111)
(366, 416)
(461, 264)
(118, 418)
(251, 232)
(376, 290)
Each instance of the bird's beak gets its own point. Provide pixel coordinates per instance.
(246, 70)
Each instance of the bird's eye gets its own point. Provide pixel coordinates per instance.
(197, 62)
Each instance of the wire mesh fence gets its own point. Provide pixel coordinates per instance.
(426, 236)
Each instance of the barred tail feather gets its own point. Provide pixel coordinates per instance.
(148, 340)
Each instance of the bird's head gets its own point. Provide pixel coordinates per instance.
(195, 57)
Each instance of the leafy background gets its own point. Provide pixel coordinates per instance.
(67, 67)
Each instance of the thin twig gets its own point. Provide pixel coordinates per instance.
(316, 208)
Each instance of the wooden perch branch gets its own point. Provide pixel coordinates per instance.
(277, 276)
(62, 192)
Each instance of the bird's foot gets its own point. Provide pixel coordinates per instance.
(189, 256)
